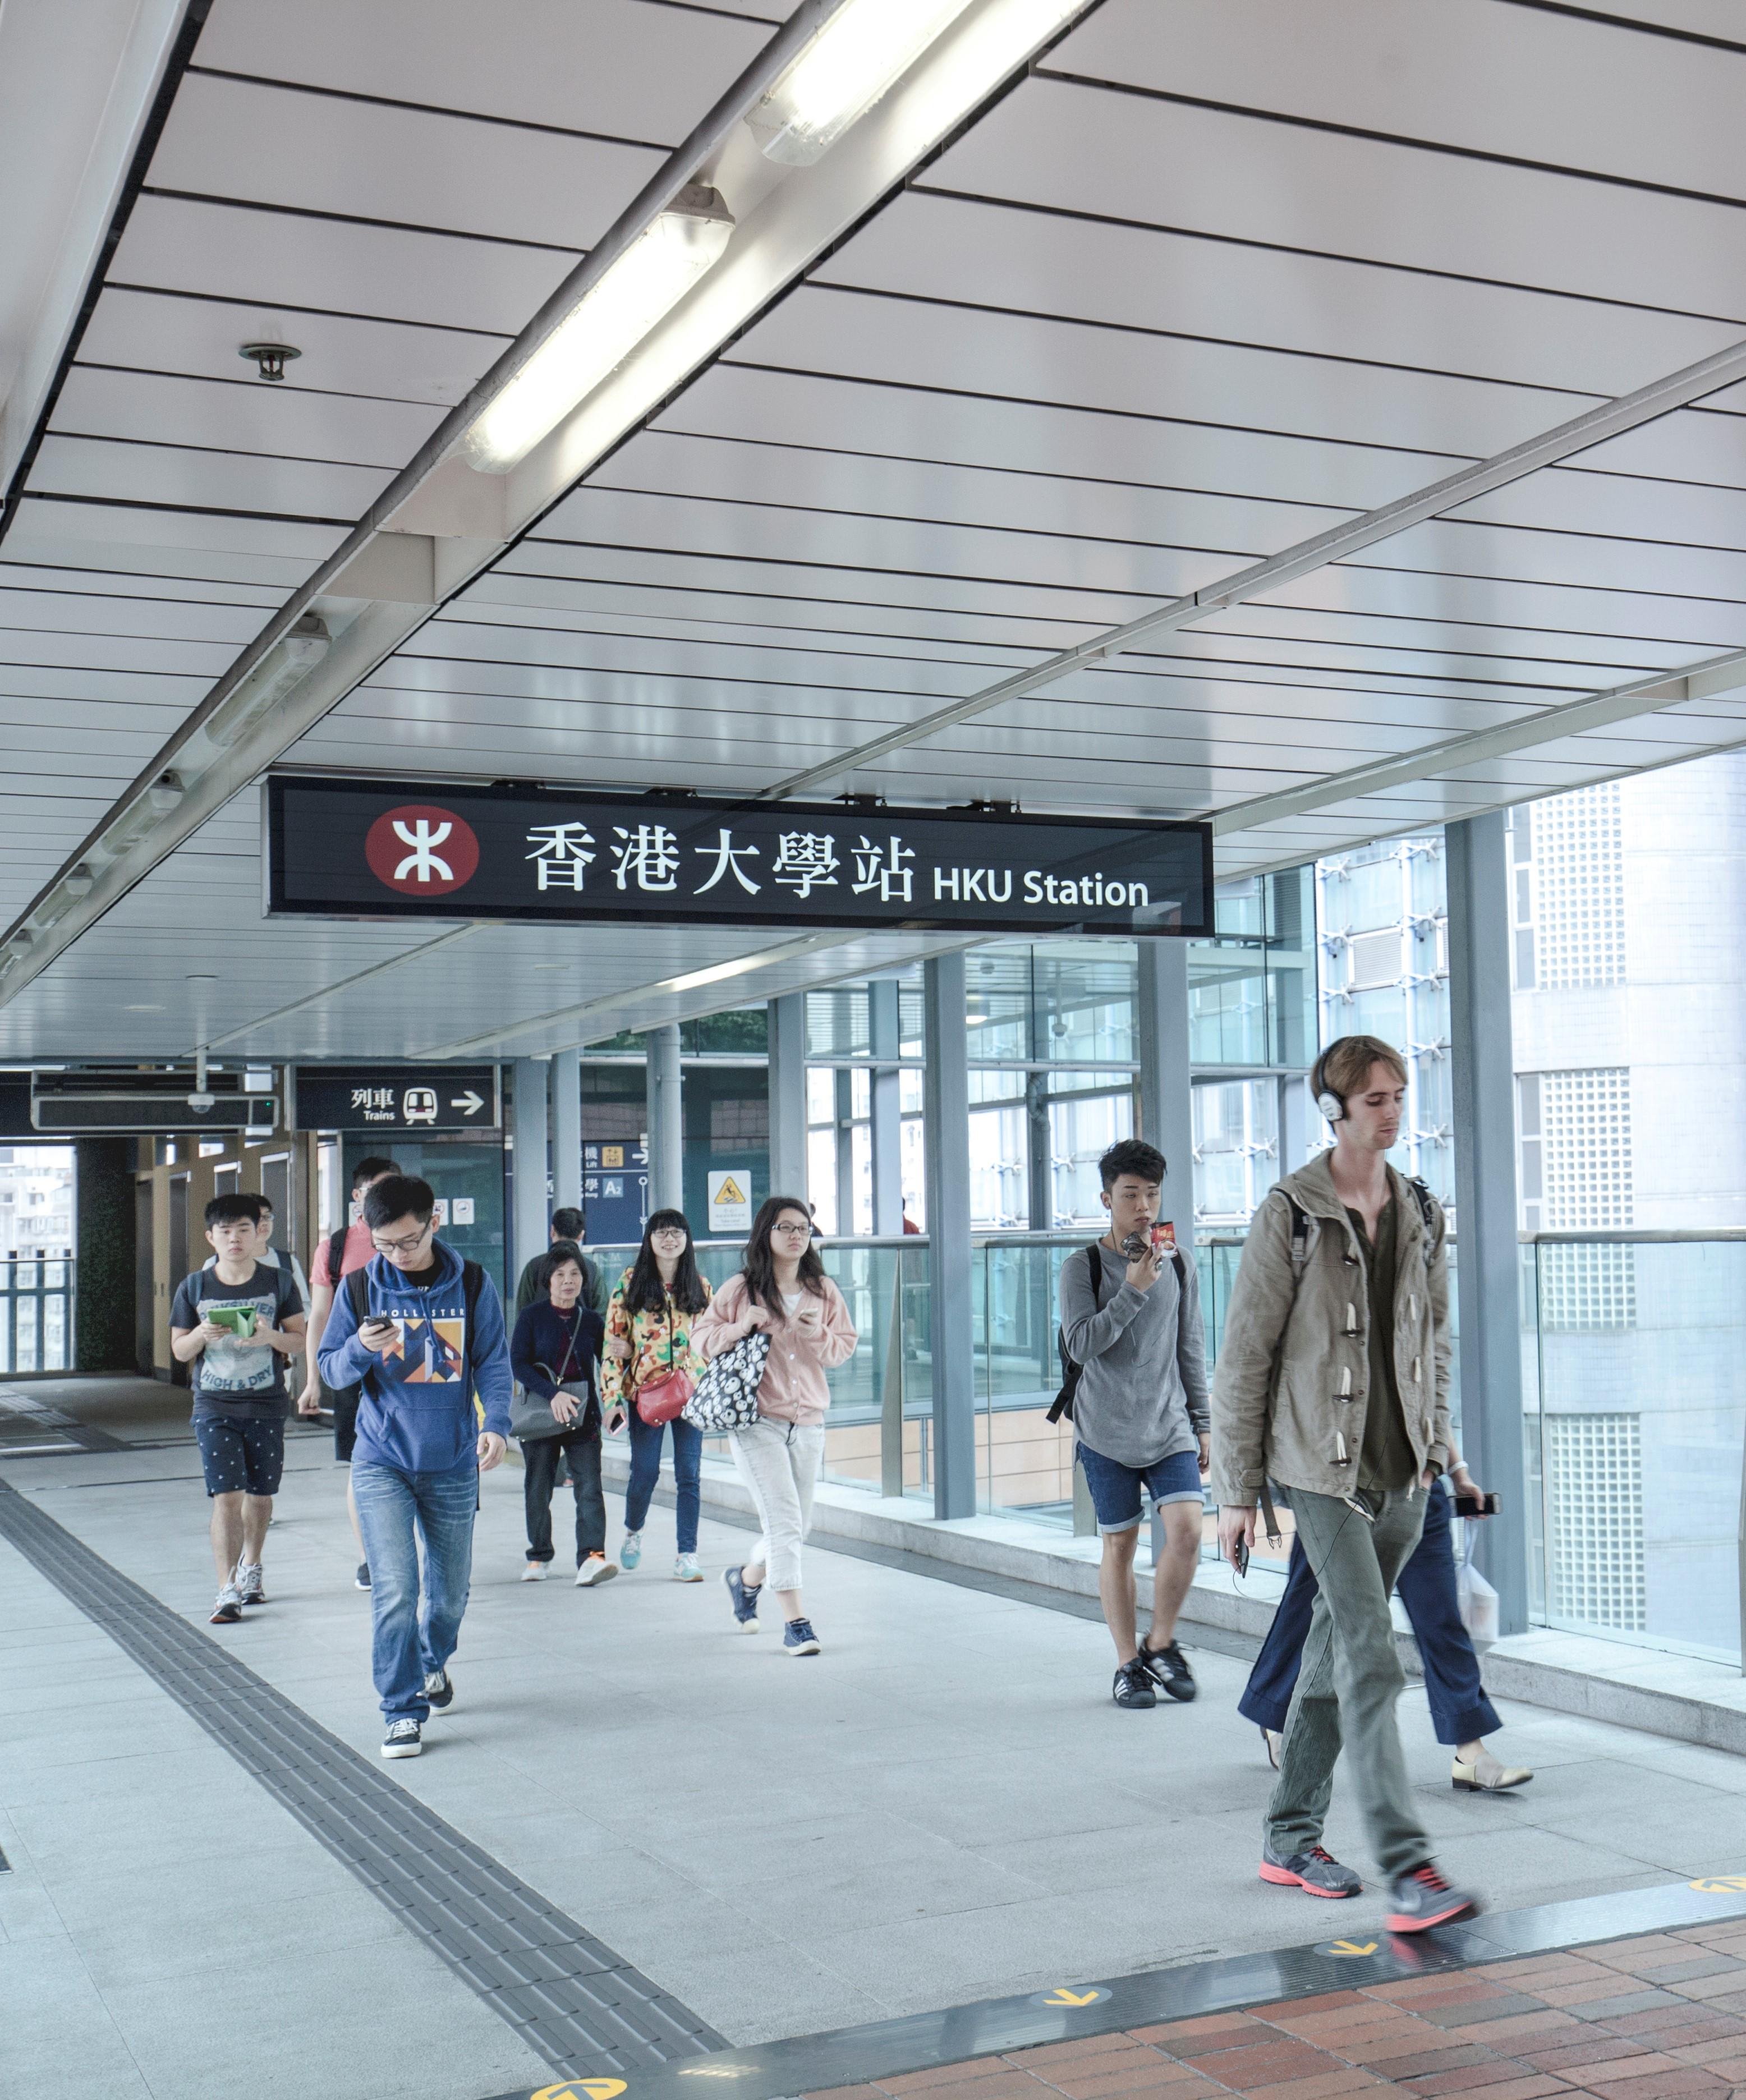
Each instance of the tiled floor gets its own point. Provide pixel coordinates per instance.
(1662, 2018)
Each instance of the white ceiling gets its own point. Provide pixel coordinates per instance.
(1216, 275)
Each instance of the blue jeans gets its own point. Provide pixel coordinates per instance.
(645, 1468)
(397, 1512)
(1460, 1710)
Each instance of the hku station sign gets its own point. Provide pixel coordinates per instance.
(386, 849)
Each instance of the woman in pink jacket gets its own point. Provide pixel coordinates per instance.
(783, 1289)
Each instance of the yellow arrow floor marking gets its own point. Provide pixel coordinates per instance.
(1719, 1884)
(583, 2088)
(1061, 1995)
(1351, 1947)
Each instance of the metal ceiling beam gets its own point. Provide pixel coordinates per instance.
(1708, 681)
(438, 524)
(1337, 543)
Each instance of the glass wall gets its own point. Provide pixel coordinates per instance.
(37, 1200)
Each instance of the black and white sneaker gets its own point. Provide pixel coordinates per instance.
(439, 1690)
(249, 1582)
(1168, 1669)
(228, 1608)
(404, 1739)
(1133, 1686)
(361, 1580)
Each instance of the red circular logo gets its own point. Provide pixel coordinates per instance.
(421, 851)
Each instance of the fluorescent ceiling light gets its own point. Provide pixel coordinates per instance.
(651, 277)
(863, 47)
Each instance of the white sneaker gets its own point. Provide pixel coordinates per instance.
(685, 1569)
(596, 1569)
(536, 1570)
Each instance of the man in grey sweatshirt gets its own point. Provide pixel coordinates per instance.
(1133, 1324)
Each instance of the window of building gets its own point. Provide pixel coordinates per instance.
(1595, 1511)
(1583, 1122)
(1569, 888)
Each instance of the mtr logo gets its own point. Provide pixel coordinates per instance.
(421, 851)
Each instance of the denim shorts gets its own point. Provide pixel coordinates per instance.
(1117, 1491)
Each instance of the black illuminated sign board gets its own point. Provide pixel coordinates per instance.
(389, 849)
(396, 1099)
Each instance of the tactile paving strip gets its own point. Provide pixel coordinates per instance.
(27, 1421)
(574, 2002)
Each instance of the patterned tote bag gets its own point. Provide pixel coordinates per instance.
(727, 1394)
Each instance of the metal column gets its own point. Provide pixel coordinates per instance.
(532, 1229)
(566, 1129)
(787, 1095)
(1486, 1270)
(887, 1109)
(1166, 1100)
(666, 1121)
(946, 1107)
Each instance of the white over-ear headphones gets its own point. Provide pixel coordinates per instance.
(1331, 1107)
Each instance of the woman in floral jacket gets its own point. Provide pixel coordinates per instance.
(648, 1333)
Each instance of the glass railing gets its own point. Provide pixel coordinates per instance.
(36, 1314)
(1634, 1358)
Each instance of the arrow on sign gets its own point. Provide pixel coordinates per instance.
(468, 1103)
(1352, 1947)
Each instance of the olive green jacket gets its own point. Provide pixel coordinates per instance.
(1291, 1387)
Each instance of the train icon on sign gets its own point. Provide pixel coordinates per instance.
(418, 1105)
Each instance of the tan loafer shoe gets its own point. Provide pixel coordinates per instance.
(1487, 1775)
(1272, 1738)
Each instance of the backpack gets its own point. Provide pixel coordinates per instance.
(1071, 1372)
(472, 1282)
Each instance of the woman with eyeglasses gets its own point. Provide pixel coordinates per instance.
(648, 1334)
(783, 1288)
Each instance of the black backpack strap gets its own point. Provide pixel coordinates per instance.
(1299, 1236)
(1427, 1203)
(472, 1282)
(357, 1287)
(1062, 1402)
(1094, 1255)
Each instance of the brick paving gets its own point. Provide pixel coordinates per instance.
(1659, 2018)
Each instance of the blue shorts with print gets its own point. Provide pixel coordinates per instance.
(1117, 1491)
(240, 1456)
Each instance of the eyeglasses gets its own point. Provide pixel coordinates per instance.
(405, 1246)
(667, 1232)
(800, 1231)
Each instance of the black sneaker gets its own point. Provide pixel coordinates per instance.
(1133, 1685)
(1168, 1669)
(1422, 1898)
(438, 1691)
(404, 1739)
(361, 1580)
(1317, 1872)
(228, 1609)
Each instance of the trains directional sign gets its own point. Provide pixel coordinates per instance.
(395, 1098)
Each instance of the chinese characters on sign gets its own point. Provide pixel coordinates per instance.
(352, 846)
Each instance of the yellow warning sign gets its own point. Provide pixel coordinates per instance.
(730, 1191)
(1345, 1949)
(1720, 1884)
(730, 1201)
(583, 2088)
(1061, 1995)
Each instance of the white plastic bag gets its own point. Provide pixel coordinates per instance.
(1475, 1597)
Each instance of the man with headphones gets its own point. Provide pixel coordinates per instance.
(1332, 1383)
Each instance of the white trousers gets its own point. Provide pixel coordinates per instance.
(779, 1463)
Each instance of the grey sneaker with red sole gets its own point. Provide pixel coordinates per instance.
(1422, 1898)
(1317, 1872)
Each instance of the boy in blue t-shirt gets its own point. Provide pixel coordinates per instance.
(236, 1322)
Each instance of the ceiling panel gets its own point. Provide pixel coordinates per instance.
(1512, 82)
(621, 68)
(278, 146)
(229, 252)
(181, 478)
(976, 251)
(1081, 148)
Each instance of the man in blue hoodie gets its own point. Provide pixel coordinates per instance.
(422, 1331)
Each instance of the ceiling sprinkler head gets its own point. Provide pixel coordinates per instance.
(270, 359)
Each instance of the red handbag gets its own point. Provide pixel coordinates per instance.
(660, 1399)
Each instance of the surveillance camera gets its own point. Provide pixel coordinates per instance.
(201, 1104)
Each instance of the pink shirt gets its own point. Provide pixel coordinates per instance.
(802, 1350)
(359, 1248)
